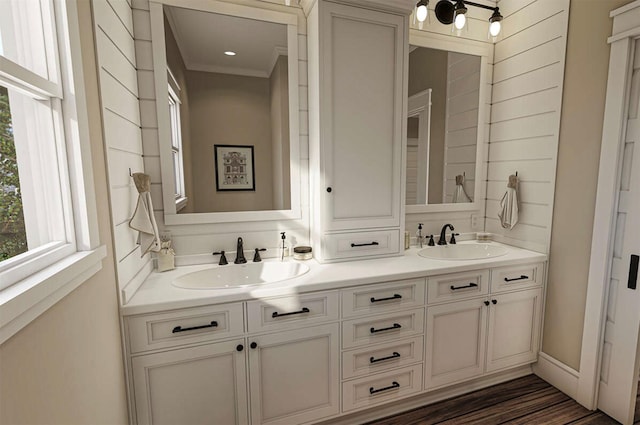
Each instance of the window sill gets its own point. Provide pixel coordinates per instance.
(24, 301)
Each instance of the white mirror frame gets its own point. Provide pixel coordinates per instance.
(171, 217)
(485, 52)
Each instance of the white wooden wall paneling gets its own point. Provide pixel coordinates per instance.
(527, 94)
(121, 118)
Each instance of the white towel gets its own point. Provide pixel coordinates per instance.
(509, 204)
(143, 219)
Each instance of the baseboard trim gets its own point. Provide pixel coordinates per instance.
(394, 408)
(557, 374)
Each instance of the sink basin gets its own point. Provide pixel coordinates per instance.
(240, 275)
(463, 252)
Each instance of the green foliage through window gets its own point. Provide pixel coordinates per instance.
(13, 236)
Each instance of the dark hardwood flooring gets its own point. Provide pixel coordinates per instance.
(527, 400)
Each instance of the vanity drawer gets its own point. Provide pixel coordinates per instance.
(457, 286)
(292, 312)
(374, 329)
(180, 327)
(371, 299)
(381, 357)
(383, 387)
(516, 277)
(361, 244)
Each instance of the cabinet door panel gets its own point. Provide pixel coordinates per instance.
(294, 375)
(455, 342)
(362, 116)
(199, 385)
(514, 329)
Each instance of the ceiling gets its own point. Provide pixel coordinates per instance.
(203, 37)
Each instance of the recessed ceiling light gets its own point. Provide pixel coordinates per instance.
(230, 53)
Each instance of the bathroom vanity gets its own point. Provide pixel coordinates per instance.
(338, 340)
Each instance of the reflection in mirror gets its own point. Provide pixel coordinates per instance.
(228, 86)
(442, 128)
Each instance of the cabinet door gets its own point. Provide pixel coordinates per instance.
(455, 342)
(294, 375)
(514, 329)
(198, 385)
(362, 77)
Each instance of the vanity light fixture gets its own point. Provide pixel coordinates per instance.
(422, 10)
(455, 12)
(230, 53)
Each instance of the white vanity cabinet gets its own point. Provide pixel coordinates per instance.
(357, 97)
(493, 330)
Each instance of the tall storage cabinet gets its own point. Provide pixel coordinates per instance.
(357, 104)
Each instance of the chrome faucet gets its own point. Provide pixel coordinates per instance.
(443, 240)
(240, 253)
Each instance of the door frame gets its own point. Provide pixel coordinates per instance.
(613, 135)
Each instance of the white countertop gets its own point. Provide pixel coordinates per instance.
(158, 294)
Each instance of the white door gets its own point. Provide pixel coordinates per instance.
(294, 375)
(197, 385)
(619, 371)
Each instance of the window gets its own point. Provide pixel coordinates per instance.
(47, 212)
(176, 142)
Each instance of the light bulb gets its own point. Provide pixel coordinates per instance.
(494, 28)
(460, 21)
(421, 13)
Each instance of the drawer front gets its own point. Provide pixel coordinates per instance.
(292, 312)
(516, 277)
(457, 286)
(378, 358)
(361, 244)
(370, 330)
(171, 329)
(388, 386)
(371, 299)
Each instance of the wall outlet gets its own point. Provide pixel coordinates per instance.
(474, 221)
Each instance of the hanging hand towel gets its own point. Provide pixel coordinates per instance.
(143, 219)
(509, 204)
(459, 195)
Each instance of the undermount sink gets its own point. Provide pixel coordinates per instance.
(463, 251)
(240, 275)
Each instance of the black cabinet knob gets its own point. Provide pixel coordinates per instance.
(329, 189)
(240, 347)
(486, 303)
(254, 345)
(494, 302)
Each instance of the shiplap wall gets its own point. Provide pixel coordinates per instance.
(195, 243)
(525, 116)
(116, 54)
(461, 132)
(475, 33)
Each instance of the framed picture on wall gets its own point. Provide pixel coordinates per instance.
(234, 167)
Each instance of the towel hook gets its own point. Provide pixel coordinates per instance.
(516, 174)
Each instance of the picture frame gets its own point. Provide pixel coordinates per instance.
(235, 169)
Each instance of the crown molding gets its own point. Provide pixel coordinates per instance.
(403, 7)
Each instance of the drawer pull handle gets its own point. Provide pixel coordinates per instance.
(391, 328)
(632, 281)
(177, 329)
(395, 355)
(393, 386)
(374, 243)
(487, 303)
(471, 285)
(394, 297)
(276, 314)
(522, 277)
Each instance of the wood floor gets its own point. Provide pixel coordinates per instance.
(528, 400)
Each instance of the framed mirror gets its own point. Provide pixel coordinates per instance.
(226, 80)
(447, 122)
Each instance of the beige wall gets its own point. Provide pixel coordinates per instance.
(279, 91)
(585, 82)
(428, 69)
(229, 110)
(66, 366)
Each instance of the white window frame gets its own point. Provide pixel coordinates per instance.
(36, 280)
(176, 140)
